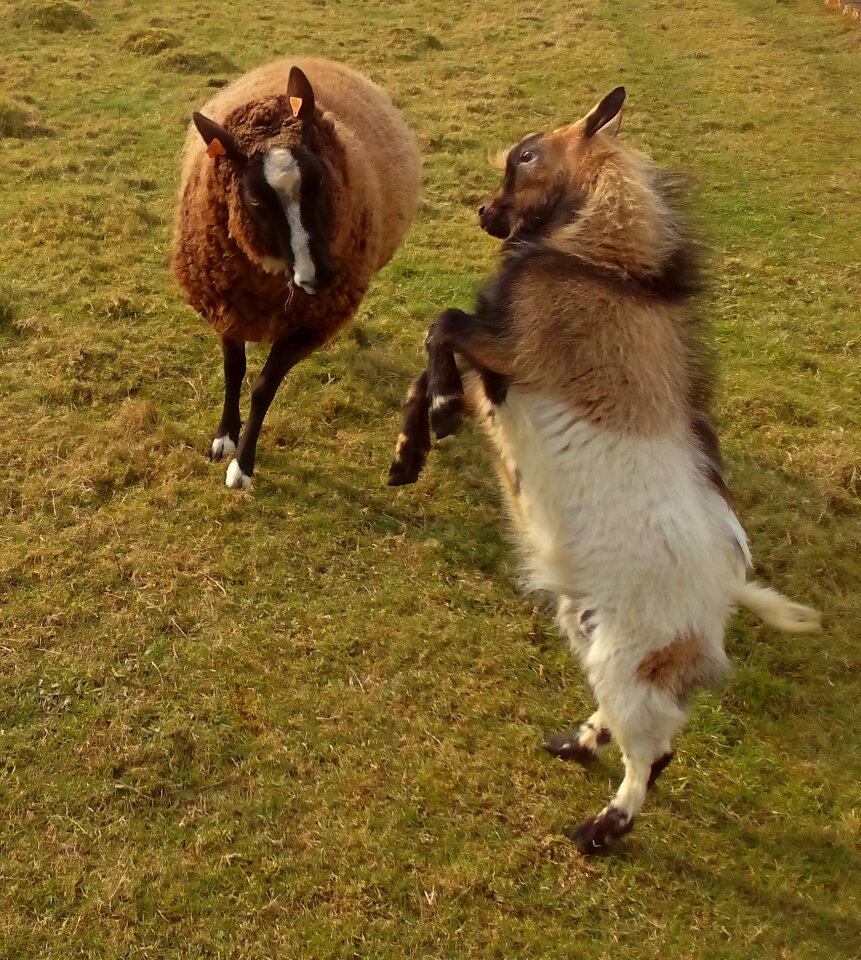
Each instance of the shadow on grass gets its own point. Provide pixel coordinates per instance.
(815, 856)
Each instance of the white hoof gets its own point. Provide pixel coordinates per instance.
(222, 447)
(236, 479)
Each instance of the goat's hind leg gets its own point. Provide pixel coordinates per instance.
(644, 727)
(226, 438)
(583, 743)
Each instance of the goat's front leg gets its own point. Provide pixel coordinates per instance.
(286, 352)
(227, 435)
(479, 340)
(414, 441)
(444, 384)
(438, 392)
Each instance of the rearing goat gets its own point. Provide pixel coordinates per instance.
(304, 185)
(587, 369)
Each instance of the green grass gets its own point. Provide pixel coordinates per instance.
(306, 723)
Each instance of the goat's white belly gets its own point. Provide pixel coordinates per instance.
(626, 524)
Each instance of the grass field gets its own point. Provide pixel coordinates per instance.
(306, 722)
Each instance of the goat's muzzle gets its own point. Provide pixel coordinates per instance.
(494, 220)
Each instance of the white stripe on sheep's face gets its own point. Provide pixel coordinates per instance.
(285, 197)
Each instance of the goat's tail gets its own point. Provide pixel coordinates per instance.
(777, 610)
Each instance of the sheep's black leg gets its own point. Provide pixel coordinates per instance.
(227, 435)
(414, 441)
(285, 353)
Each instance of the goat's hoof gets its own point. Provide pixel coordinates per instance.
(221, 447)
(446, 415)
(236, 479)
(400, 473)
(567, 746)
(599, 834)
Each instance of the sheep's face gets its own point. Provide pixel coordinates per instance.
(285, 197)
(283, 190)
(545, 170)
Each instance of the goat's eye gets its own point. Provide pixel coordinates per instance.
(527, 156)
(253, 202)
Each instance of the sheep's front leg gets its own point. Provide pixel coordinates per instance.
(226, 436)
(285, 353)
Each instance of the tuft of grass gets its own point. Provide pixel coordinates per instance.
(14, 120)
(212, 61)
(7, 316)
(53, 16)
(151, 41)
(18, 120)
(306, 722)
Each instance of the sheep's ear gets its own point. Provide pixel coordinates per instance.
(219, 142)
(301, 94)
(607, 115)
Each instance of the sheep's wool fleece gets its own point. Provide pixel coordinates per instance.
(375, 198)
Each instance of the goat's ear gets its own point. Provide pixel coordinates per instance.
(219, 142)
(607, 115)
(499, 159)
(301, 94)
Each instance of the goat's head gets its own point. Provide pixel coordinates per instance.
(549, 172)
(282, 181)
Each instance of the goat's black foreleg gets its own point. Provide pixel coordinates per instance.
(285, 353)
(444, 384)
(226, 436)
(482, 340)
(414, 441)
(438, 393)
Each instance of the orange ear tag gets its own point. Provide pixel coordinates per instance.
(296, 104)
(215, 148)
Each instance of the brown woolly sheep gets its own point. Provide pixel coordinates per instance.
(586, 364)
(299, 181)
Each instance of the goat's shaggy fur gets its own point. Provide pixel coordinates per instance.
(589, 370)
(370, 170)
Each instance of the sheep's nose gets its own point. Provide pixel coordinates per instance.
(481, 210)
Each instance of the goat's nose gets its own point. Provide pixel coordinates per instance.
(481, 210)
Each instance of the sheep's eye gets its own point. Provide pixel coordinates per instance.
(526, 156)
(253, 202)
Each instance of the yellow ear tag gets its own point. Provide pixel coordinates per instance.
(215, 149)
(296, 104)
